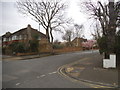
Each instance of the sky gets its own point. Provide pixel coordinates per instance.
(11, 20)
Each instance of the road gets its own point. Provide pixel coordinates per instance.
(42, 72)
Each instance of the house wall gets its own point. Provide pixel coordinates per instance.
(24, 35)
(44, 46)
(77, 42)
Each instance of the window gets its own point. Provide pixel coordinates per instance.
(14, 37)
(17, 38)
(4, 39)
(39, 38)
(20, 37)
(9, 38)
(25, 36)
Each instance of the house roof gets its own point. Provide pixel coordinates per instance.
(79, 39)
(8, 34)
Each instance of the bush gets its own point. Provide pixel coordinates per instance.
(17, 47)
(57, 46)
(34, 44)
(102, 44)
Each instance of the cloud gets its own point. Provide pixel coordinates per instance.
(13, 20)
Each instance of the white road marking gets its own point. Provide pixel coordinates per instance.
(17, 84)
(42, 76)
(52, 73)
(45, 75)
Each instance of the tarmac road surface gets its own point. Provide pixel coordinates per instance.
(42, 72)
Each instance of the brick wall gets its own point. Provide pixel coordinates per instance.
(68, 49)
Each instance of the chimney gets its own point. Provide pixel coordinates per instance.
(29, 32)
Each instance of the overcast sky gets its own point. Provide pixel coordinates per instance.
(12, 20)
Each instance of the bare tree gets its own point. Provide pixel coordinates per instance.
(68, 36)
(98, 11)
(48, 13)
(78, 30)
(97, 31)
(107, 14)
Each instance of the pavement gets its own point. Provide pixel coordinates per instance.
(82, 69)
(7, 57)
(90, 70)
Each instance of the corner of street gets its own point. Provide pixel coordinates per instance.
(90, 70)
(84, 67)
(60, 44)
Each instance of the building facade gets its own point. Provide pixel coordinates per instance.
(22, 35)
(77, 42)
(25, 35)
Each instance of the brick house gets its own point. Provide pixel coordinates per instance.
(77, 42)
(24, 35)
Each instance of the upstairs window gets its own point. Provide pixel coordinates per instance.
(14, 37)
(20, 37)
(4, 39)
(9, 38)
(25, 36)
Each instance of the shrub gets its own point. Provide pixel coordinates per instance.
(17, 47)
(34, 44)
(57, 46)
(102, 44)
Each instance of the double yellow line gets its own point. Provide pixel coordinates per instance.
(78, 81)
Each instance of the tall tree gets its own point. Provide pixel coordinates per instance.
(68, 35)
(48, 13)
(107, 14)
(97, 31)
(78, 30)
(111, 32)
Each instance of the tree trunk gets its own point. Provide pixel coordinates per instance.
(52, 52)
(112, 29)
(69, 41)
(51, 36)
(47, 35)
